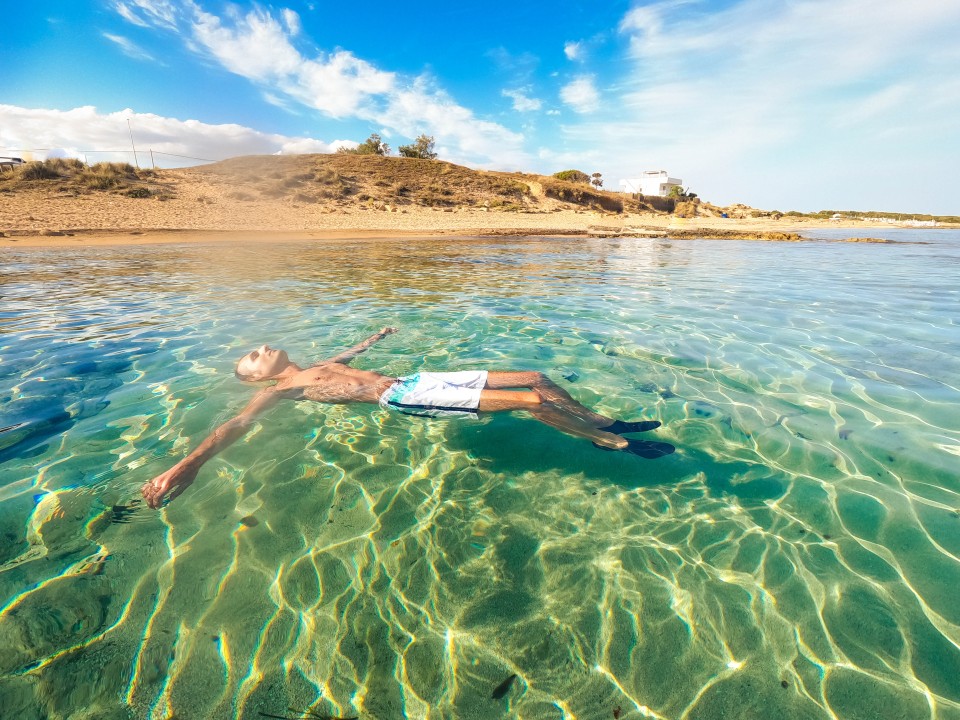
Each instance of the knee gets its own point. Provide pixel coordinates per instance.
(532, 398)
(538, 378)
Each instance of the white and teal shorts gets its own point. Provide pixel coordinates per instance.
(433, 394)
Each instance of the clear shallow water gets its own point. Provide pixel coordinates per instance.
(799, 556)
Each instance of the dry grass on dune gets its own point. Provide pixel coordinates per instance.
(337, 181)
(296, 193)
(371, 180)
(69, 175)
(358, 179)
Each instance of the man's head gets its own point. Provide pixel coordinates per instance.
(262, 364)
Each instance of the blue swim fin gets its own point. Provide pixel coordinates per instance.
(622, 428)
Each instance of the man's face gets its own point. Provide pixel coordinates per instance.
(262, 362)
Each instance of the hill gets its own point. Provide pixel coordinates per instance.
(346, 194)
(338, 181)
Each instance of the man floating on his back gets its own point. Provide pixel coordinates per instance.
(430, 394)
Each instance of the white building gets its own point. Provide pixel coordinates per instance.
(651, 182)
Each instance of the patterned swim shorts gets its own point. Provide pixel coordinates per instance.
(432, 394)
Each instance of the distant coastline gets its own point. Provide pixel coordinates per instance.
(331, 196)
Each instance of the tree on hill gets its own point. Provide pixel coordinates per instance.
(679, 193)
(422, 147)
(577, 176)
(596, 180)
(373, 145)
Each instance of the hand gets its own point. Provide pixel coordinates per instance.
(387, 330)
(178, 478)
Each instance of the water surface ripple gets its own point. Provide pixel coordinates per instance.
(799, 556)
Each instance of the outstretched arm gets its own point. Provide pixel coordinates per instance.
(180, 476)
(347, 355)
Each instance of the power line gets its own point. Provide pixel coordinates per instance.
(91, 152)
(186, 157)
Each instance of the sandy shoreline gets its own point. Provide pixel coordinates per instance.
(50, 227)
(203, 208)
(91, 237)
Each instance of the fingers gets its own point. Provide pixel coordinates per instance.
(149, 493)
(154, 491)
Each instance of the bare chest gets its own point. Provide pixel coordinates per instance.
(342, 386)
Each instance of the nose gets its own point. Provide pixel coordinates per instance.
(264, 348)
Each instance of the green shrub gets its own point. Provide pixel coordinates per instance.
(577, 176)
(373, 145)
(421, 148)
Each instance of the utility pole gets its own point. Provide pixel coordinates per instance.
(132, 145)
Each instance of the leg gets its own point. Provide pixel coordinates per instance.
(549, 413)
(560, 398)
(498, 400)
(550, 392)
(559, 418)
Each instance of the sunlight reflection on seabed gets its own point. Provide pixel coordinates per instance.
(798, 556)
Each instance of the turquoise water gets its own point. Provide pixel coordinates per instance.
(798, 557)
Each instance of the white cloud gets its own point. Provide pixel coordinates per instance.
(573, 50)
(341, 85)
(277, 101)
(299, 146)
(560, 160)
(84, 130)
(522, 102)
(258, 46)
(292, 21)
(643, 22)
(129, 48)
(127, 14)
(811, 104)
(150, 12)
(466, 137)
(581, 94)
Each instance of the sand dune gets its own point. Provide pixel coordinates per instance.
(333, 195)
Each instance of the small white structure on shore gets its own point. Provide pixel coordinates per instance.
(651, 182)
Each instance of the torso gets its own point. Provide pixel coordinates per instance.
(335, 383)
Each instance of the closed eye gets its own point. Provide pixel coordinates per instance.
(254, 355)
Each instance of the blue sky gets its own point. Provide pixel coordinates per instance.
(780, 104)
